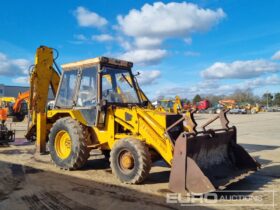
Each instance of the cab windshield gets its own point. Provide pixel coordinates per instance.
(117, 86)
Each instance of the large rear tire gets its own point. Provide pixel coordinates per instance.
(67, 144)
(130, 161)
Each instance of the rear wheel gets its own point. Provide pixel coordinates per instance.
(130, 161)
(67, 144)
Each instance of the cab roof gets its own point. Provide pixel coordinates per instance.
(94, 61)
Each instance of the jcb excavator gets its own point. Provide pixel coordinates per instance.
(91, 113)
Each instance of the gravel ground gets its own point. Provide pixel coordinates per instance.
(29, 181)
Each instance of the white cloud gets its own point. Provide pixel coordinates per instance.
(103, 38)
(259, 82)
(87, 18)
(125, 44)
(212, 87)
(146, 42)
(150, 26)
(191, 54)
(144, 56)
(21, 80)
(13, 67)
(168, 20)
(239, 69)
(276, 56)
(148, 77)
(80, 37)
(273, 79)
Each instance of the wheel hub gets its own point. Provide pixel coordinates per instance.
(63, 144)
(126, 160)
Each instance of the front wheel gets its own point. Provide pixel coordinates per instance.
(67, 144)
(130, 161)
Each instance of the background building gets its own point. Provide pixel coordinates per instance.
(11, 91)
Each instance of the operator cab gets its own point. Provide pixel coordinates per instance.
(86, 84)
(81, 81)
(117, 86)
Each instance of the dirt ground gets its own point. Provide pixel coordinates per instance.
(28, 181)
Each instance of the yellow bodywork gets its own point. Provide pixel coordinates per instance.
(42, 77)
(133, 130)
(146, 125)
(252, 108)
(7, 100)
(119, 124)
(172, 106)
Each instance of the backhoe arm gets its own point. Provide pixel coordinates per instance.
(43, 76)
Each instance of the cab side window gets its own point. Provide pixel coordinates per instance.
(67, 89)
(87, 94)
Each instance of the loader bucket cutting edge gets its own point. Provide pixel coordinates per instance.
(208, 161)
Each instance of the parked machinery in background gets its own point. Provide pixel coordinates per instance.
(251, 109)
(6, 135)
(201, 106)
(16, 108)
(170, 105)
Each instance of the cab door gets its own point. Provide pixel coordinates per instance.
(86, 97)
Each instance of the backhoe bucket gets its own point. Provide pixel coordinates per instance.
(208, 161)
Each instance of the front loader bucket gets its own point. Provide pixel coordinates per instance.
(207, 161)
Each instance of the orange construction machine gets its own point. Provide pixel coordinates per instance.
(16, 109)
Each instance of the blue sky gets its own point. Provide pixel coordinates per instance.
(205, 47)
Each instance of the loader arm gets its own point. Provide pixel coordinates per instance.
(43, 77)
(150, 128)
(155, 135)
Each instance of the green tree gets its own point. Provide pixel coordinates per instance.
(276, 100)
(214, 99)
(244, 96)
(184, 100)
(196, 99)
(267, 99)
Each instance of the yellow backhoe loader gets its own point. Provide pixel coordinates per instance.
(171, 105)
(99, 105)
